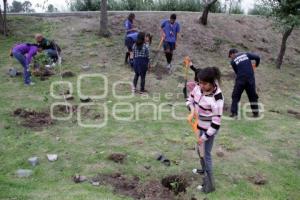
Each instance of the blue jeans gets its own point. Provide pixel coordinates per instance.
(52, 53)
(208, 144)
(140, 66)
(22, 59)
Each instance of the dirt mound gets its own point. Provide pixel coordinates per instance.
(154, 190)
(117, 157)
(258, 179)
(43, 73)
(133, 188)
(65, 109)
(294, 112)
(33, 119)
(176, 183)
(66, 74)
(121, 184)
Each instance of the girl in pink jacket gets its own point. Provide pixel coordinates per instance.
(206, 101)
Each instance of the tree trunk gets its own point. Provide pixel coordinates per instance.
(280, 56)
(4, 18)
(203, 18)
(104, 20)
(1, 21)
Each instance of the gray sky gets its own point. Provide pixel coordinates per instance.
(62, 6)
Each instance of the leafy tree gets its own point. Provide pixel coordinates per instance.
(287, 17)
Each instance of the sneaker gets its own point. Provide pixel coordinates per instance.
(143, 91)
(29, 84)
(133, 90)
(169, 66)
(198, 171)
(233, 115)
(200, 187)
(255, 115)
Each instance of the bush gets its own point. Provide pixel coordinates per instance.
(85, 5)
(260, 10)
(163, 5)
(236, 9)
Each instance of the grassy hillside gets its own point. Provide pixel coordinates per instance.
(268, 147)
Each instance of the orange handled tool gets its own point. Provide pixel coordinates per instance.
(160, 42)
(193, 121)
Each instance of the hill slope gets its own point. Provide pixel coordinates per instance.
(268, 147)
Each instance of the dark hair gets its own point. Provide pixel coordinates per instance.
(150, 37)
(31, 44)
(140, 40)
(232, 51)
(209, 74)
(131, 16)
(173, 16)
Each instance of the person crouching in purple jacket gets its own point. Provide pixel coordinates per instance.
(24, 53)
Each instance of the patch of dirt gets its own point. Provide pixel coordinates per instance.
(121, 184)
(65, 109)
(70, 98)
(154, 190)
(87, 100)
(220, 152)
(33, 119)
(117, 157)
(159, 70)
(66, 74)
(175, 183)
(274, 111)
(294, 112)
(131, 186)
(43, 73)
(258, 179)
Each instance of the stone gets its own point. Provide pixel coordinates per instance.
(52, 157)
(33, 161)
(24, 173)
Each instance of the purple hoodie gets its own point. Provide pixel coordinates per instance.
(27, 50)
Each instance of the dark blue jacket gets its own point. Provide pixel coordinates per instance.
(242, 65)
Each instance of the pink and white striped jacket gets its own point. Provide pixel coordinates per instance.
(209, 109)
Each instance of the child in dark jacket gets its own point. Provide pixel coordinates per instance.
(140, 61)
(206, 102)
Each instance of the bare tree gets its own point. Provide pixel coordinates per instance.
(287, 17)
(4, 21)
(281, 53)
(104, 32)
(207, 6)
(1, 21)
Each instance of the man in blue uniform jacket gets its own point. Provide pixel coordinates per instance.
(245, 80)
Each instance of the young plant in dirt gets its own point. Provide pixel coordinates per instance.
(39, 66)
(40, 61)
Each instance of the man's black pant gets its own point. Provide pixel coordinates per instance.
(242, 84)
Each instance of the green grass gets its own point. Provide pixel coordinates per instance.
(269, 146)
